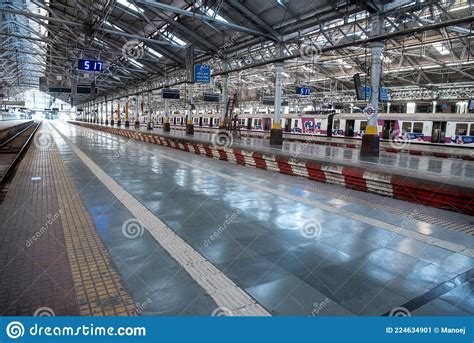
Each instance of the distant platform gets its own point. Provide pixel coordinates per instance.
(439, 182)
(409, 147)
(8, 128)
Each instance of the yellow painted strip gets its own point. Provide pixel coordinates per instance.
(276, 125)
(371, 130)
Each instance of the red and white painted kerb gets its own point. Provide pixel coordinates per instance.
(435, 194)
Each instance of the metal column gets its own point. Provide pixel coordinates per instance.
(127, 122)
(276, 133)
(371, 139)
(225, 100)
(189, 123)
(150, 118)
(119, 114)
(166, 118)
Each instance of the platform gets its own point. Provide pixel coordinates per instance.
(125, 226)
(409, 147)
(440, 182)
(8, 128)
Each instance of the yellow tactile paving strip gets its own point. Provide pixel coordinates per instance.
(98, 287)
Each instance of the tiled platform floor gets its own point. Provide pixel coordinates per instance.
(294, 257)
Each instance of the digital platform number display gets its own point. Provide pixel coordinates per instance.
(303, 90)
(89, 65)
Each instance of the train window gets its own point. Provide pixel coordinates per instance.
(461, 129)
(471, 132)
(418, 127)
(406, 126)
(363, 125)
(337, 124)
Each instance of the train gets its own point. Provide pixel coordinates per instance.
(439, 128)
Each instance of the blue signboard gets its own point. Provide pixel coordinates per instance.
(202, 73)
(303, 90)
(366, 92)
(383, 94)
(89, 65)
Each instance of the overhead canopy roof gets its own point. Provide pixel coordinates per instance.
(146, 44)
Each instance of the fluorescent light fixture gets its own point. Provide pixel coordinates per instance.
(459, 8)
(130, 6)
(442, 49)
(136, 64)
(154, 53)
(114, 26)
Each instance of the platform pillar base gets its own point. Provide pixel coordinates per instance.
(149, 126)
(106, 122)
(370, 146)
(112, 122)
(127, 123)
(119, 123)
(190, 129)
(167, 127)
(276, 137)
(137, 124)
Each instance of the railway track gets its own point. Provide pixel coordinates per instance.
(11, 152)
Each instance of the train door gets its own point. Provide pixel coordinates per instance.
(438, 132)
(288, 125)
(350, 125)
(200, 121)
(388, 129)
(329, 126)
(267, 124)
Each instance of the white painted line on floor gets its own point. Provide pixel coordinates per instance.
(219, 287)
(380, 224)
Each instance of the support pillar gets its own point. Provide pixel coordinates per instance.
(371, 140)
(166, 118)
(225, 100)
(150, 112)
(102, 113)
(119, 115)
(127, 122)
(276, 133)
(137, 115)
(112, 123)
(106, 111)
(189, 123)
